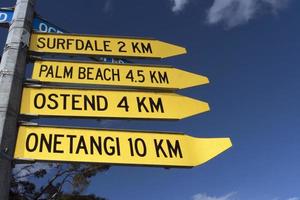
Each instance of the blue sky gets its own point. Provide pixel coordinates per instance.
(249, 49)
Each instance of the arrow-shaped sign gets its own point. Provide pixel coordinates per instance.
(102, 46)
(129, 75)
(116, 147)
(110, 104)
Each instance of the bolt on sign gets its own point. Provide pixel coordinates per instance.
(116, 147)
(110, 104)
(102, 46)
(130, 75)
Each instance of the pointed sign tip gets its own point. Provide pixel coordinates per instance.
(170, 50)
(207, 80)
(210, 148)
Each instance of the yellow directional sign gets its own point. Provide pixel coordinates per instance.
(112, 104)
(130, 75)
(102, 46)
(116, 147)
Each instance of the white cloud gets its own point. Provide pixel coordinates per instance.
(294, 198)
(236, 12)
(178, 5)
(206, 197)
(107, 6)
(229, 196)
(291, 198)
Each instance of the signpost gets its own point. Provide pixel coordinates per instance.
(43, 143)
(12, 69)
(116, 147)
(102, 46)
(109, 104)
(129, 75)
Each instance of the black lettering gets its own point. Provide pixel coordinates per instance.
(123, 104)
(64, 100)
(50, 97)
(61, 41)
(106, 71)
(96, 46)
(43, 99)
(122, 45)
(111, 150)
(146, 49)
(141, 75)
(163, 78)
(43, 69)
(49, 45)
(56, 143)
(75, 101)
(89, 45)
(140, 104)
(96, 144)
(56, 72)
(156, 107)
(68, 73)
(135, 47)
(118, 146)
(45, 142)
(79, 44)
(105, 103)
(130, 75)
(71, 142)
(158, 148)
(106, 44)
(87, 101)
(50, 72)
(174, 150)
(99, 74)
(116, 74)
(81, 145)
(140, 150)
(153, 77)
(89, 73)
(41, 42)
(81, 72)
(69, 43)
(35, 143)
